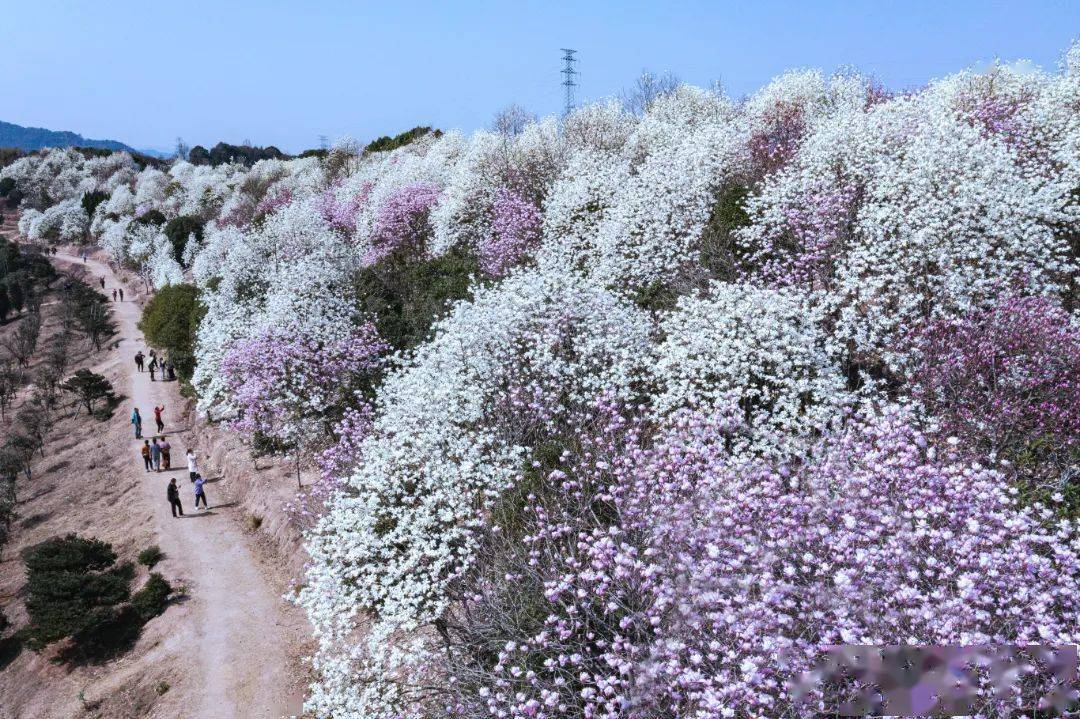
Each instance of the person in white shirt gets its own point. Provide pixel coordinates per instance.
(192, 465)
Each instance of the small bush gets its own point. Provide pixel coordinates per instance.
(71, 583)
(110, 631)
(150, 556)
(153, 598)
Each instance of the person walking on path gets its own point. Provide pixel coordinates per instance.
(102, 281)
(166, 458)
(173, 494)
(192, 465)
(145, 450)
(155, 455)
(139, 357)
(121, 293)
(136, 419)
(152, 367)
(114, 295)
(157, 417)
(200, 493)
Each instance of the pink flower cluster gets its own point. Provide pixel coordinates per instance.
(1006, 381)
(337, 460)
(649, 576)
(771, 146)
(401, 224)
(342, 215)
(998, 115)
(803, 249)
(280, 380)
(515, 231)
(273, 201)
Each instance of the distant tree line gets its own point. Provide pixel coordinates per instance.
(223, 153)
(385, 143)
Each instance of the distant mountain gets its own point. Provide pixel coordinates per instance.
(36, 138)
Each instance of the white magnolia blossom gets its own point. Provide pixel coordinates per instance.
(63, 223)
(761, 350)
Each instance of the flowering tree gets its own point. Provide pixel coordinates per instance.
(402, 222)
(1006, 382)
(515, 230)
(662, 579)
(654, 441)
(289, 386)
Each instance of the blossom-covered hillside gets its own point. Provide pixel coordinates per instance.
(629, 415)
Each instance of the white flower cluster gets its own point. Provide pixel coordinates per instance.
(448, 440)
(761, 350)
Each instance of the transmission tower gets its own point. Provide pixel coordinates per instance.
(324, 142)
(568, 83)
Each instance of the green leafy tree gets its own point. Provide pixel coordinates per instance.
(88, 388)
(11, 379)
(15, 293)
(151, 217)
(406, 297)
(170, 321)
(91, 200)
(22, 343)
(179, 229)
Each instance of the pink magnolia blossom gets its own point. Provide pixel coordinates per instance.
(401, 224)
(515, 231)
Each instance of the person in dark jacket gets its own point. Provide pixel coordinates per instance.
(174, 498)
(146, 454)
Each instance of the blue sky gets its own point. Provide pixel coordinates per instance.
(146, 71)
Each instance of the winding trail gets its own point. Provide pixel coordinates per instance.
(238, 642)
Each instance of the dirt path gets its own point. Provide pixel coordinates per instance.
(238, 642)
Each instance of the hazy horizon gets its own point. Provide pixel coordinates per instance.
(257, 72)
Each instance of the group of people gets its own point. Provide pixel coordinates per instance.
(156, 364)
(172, 493)
(157, 456)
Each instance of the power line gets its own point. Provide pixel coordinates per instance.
(568, 83)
